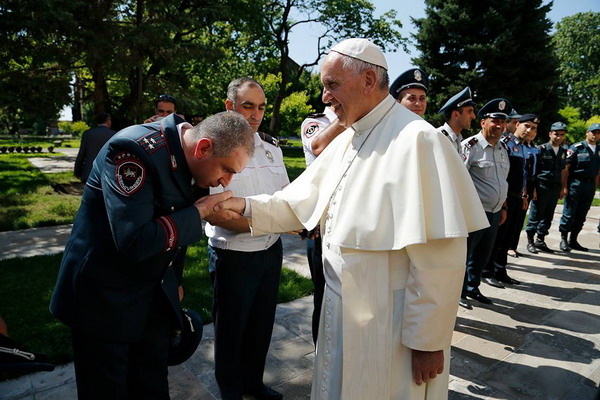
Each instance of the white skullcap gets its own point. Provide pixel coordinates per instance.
(362, 49)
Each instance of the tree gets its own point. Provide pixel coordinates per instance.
(577, 43)
(333, 20)
(499, 49)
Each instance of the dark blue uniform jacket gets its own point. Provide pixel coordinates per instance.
(130, 234)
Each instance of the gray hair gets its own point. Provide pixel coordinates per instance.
(237, 84)
(358, 66)
(228, 131)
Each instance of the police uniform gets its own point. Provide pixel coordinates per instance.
(548, 185)
(518, 153)
(584, 164)
(311, 128)
(245, 270)
(488, 166)
(117, 287)
(463, 98)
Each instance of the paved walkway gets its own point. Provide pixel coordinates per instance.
(539, 340)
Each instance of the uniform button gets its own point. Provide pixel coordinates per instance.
(328, 299)
(328, 313)
(172, 208)
(161, 281)
(171, 264)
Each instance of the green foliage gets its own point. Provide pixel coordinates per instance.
(577, 47)
(73, 128)
(498, 48)
(294, 109)
(575, 124)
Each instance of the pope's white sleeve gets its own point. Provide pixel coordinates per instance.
(432, 292)
(272, 214)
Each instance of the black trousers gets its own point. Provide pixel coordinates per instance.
(498, 260)
(315, 264)
(245, 287)
(126, 371)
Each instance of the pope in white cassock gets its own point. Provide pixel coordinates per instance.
(395, 206)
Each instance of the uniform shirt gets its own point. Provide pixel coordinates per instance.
(264, 174)
(311, 128)
(517, 156)
(583, 162)
(551, 163)
(532, 166)
(455, 138)
(488, 166)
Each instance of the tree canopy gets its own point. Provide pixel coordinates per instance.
(577, 43)
(498, 48)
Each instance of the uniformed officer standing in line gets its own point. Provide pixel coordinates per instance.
(532, 169)
(515, 201)
(550, 185)
(410, 89)
(119, 283)
(318, 130)
(246, 269)
(459, 113)
(486, 160)
(511, 123)
(583, 163)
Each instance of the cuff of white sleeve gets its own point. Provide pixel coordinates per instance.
(248, 210)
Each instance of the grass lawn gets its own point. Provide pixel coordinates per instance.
(44, 142)
(27, 198)
(27, 284)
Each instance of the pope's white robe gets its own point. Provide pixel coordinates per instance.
(395, 206)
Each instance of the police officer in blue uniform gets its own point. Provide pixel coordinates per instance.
(119, 283)
(583, 164)
(516, 199)
(550, 185)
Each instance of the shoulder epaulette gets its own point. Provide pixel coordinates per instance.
(505, 139)
(580, 145)
(269, 139)
(152, 141)
(471, 143)
(505, 145)
(445, 132)
(315, 115)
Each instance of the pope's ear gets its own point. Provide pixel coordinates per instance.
(203, 148)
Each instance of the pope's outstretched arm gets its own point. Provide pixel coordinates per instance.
(235, 204)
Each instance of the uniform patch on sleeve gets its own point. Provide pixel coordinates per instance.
(310, 129)
(130, 173)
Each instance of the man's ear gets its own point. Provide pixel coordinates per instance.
(203, 148)
(228, 105)
(370, 80)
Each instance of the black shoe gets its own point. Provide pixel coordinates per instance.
(265, 393)
(463, 302)
(507, 279)
(492, 282)
(531, 248)
(541, 245)
(564, 246)
(574, 245)
(479, 297)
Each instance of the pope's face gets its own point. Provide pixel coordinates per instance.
(414, 99)
(342, 89)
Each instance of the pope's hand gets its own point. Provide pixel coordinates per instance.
(426, 365)
(233, 204)
(206, 206)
